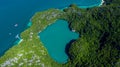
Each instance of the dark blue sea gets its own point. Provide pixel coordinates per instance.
(15, 15)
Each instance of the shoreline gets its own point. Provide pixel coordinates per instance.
(102, 2)
(98, 5)
(19, 41)
(84, 7)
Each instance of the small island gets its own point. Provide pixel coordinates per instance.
(98, 44)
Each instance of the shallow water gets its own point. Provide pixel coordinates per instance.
(55, 38)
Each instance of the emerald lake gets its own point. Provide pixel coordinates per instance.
(55, 38)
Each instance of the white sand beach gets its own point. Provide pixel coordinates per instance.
(102, 3)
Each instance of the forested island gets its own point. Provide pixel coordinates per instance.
(97, 46)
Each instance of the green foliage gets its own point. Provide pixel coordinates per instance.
(99, 42)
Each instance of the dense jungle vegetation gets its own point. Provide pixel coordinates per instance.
(99, 29)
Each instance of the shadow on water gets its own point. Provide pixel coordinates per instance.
(68, 45)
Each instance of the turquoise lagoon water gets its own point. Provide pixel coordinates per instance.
(55, 37)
